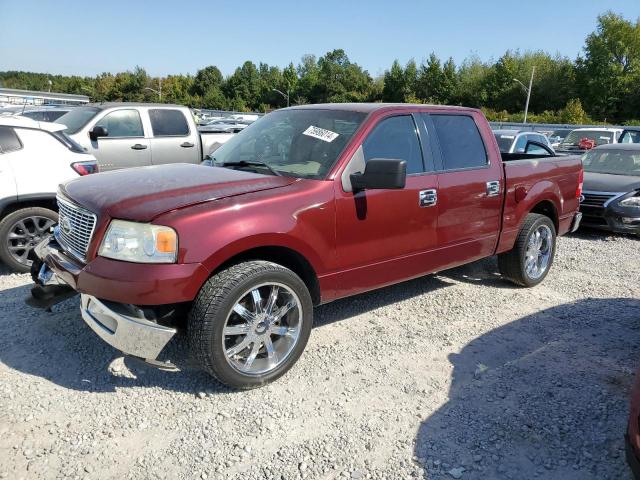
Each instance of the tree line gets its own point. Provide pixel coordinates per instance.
(600, 85)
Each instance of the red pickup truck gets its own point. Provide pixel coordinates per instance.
(307, 205)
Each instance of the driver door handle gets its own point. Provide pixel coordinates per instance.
(427, 198)
(493, 188)
(187, 145)
(138, 146)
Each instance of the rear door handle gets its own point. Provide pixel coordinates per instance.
(493, 188)
(187, 145)
(138, 146)
(427, 198)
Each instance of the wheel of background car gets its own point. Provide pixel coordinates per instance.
(250, 323)
(20, 232)
(528, 263)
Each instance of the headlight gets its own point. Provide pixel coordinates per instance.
(631, 202)
(139, 242)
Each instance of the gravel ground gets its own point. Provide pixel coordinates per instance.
(456, 375)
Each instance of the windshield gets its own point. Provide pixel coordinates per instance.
(630, 136)
(505, 141)
(559, 134)
(296, 143)
(600, 137)
(77, 118)
(614, 162)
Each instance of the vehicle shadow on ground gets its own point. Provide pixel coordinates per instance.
(542, 397)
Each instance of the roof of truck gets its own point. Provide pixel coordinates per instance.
(371, 107)
(106, 105)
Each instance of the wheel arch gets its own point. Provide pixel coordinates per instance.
(282, 255)
(44, 200)
(548, 209)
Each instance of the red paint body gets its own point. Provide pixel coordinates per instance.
(354, 243)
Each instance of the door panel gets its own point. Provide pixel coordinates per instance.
(126, 145)
(385, 236)
(469, 213)
(172, 140)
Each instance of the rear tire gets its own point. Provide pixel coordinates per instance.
(245, 332)
(22, 230)
(530, 260)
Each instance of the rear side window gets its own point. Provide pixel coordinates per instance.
(460, 142)
(168, 123)
(9, 141)
(395, 137)
(122, 123)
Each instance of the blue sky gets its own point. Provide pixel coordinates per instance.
(164, 37)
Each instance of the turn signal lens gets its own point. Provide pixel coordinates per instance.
(166, 241)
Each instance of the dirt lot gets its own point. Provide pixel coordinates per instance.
(456, 375)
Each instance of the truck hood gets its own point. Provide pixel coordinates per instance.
(141, 194)
(604, 182)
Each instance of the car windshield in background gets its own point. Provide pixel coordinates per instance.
(77, 118)
(505, 141)
(598, 136)
(614, 162)
(630, 136)
(298, 143)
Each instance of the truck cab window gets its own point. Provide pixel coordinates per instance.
(122, 123)
(168, 123)
(396, 138)
(460, 142)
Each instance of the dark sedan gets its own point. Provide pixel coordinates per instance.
(612, 188)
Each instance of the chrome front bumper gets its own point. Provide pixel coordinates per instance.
(130, 334)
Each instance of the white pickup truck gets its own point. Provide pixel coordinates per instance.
(122, 135)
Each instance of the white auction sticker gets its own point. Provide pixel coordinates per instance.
(321, 134)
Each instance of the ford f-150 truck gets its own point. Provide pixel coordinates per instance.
(307, 205)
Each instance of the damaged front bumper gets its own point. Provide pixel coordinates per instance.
(131, 329)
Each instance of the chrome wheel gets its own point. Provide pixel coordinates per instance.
(538, 253)
(262, 328)
(25, 234)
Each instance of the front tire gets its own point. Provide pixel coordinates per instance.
(530, 260)
(250, 323)
(20, 232)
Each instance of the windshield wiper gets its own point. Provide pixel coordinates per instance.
(251, 163)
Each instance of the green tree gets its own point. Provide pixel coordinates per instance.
(609, 73)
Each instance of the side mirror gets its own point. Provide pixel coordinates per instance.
(98, 131)
(381, 173)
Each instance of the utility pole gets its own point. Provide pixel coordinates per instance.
(528, 90)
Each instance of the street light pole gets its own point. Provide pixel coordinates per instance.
(528, 90)
(157, 92)
(285, 95)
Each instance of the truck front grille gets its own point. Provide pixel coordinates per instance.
(75, 228)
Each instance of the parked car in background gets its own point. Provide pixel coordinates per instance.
(40, 114)
(308, 205)
(557, 136)
(35, 157)
(515, 141)
(630, 135)
(612, 188)
(582, 139)
(45, 114)
(226, 125)
(122, 135)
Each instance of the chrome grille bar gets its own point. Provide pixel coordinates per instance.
(75, 227)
